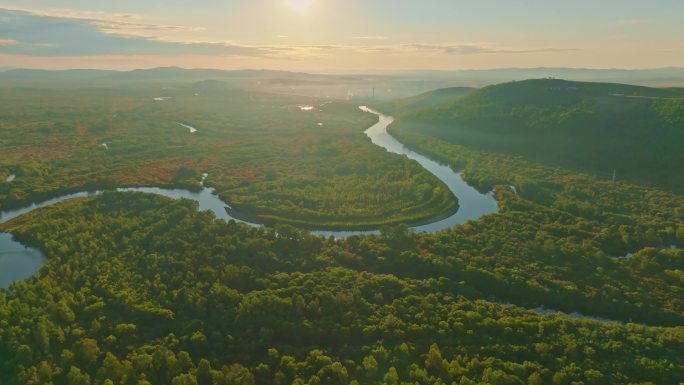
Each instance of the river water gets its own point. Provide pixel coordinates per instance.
(18, 262)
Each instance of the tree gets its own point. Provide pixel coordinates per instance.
(76, 377)
(391, 377)
(204, 372)
(88, 350)
(184, 379)
(236, 374)
(370, 366)
(535, 379)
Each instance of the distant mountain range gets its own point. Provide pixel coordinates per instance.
(163, 74)
(595, 127)
(378, 85)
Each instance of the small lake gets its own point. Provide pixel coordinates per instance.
(19, 262)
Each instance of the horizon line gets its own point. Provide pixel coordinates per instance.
(343, 71)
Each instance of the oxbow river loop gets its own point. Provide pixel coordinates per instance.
(18, 262)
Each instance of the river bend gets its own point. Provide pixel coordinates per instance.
(18, 262)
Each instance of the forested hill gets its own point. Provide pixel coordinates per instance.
(593, 127)
(424, 100)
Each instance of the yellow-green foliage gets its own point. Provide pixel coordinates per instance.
(265, 156)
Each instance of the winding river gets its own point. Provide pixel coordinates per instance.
(18, 262)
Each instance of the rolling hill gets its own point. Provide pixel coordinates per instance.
(425, 100)
(591, 127)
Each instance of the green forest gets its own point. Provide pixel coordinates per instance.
(142, 290)
(577, 280)
(600, 128)
(265, 156)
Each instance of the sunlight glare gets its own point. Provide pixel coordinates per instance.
(300, 5)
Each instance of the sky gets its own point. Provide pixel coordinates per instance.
(341, 35)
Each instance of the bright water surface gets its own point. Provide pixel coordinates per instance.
(17, 262)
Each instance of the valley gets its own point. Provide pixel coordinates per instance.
(269, 159)
(328, 192)
(410, 252)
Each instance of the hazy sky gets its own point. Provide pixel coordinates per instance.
(341, 35)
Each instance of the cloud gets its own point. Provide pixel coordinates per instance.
(302, 52)
(53, 33)
(369, 37)
(282, 36)
(73, 33)
(68, 33)
(125, 24)
(139, 29)
(477, 49)
(451, 49)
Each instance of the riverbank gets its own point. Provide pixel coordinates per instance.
(468, 205)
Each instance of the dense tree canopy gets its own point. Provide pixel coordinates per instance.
(577, 280)
(572, 228)
(268, 158)
(591, 127)
(140, 289)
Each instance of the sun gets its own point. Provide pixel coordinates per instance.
(300, 5)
